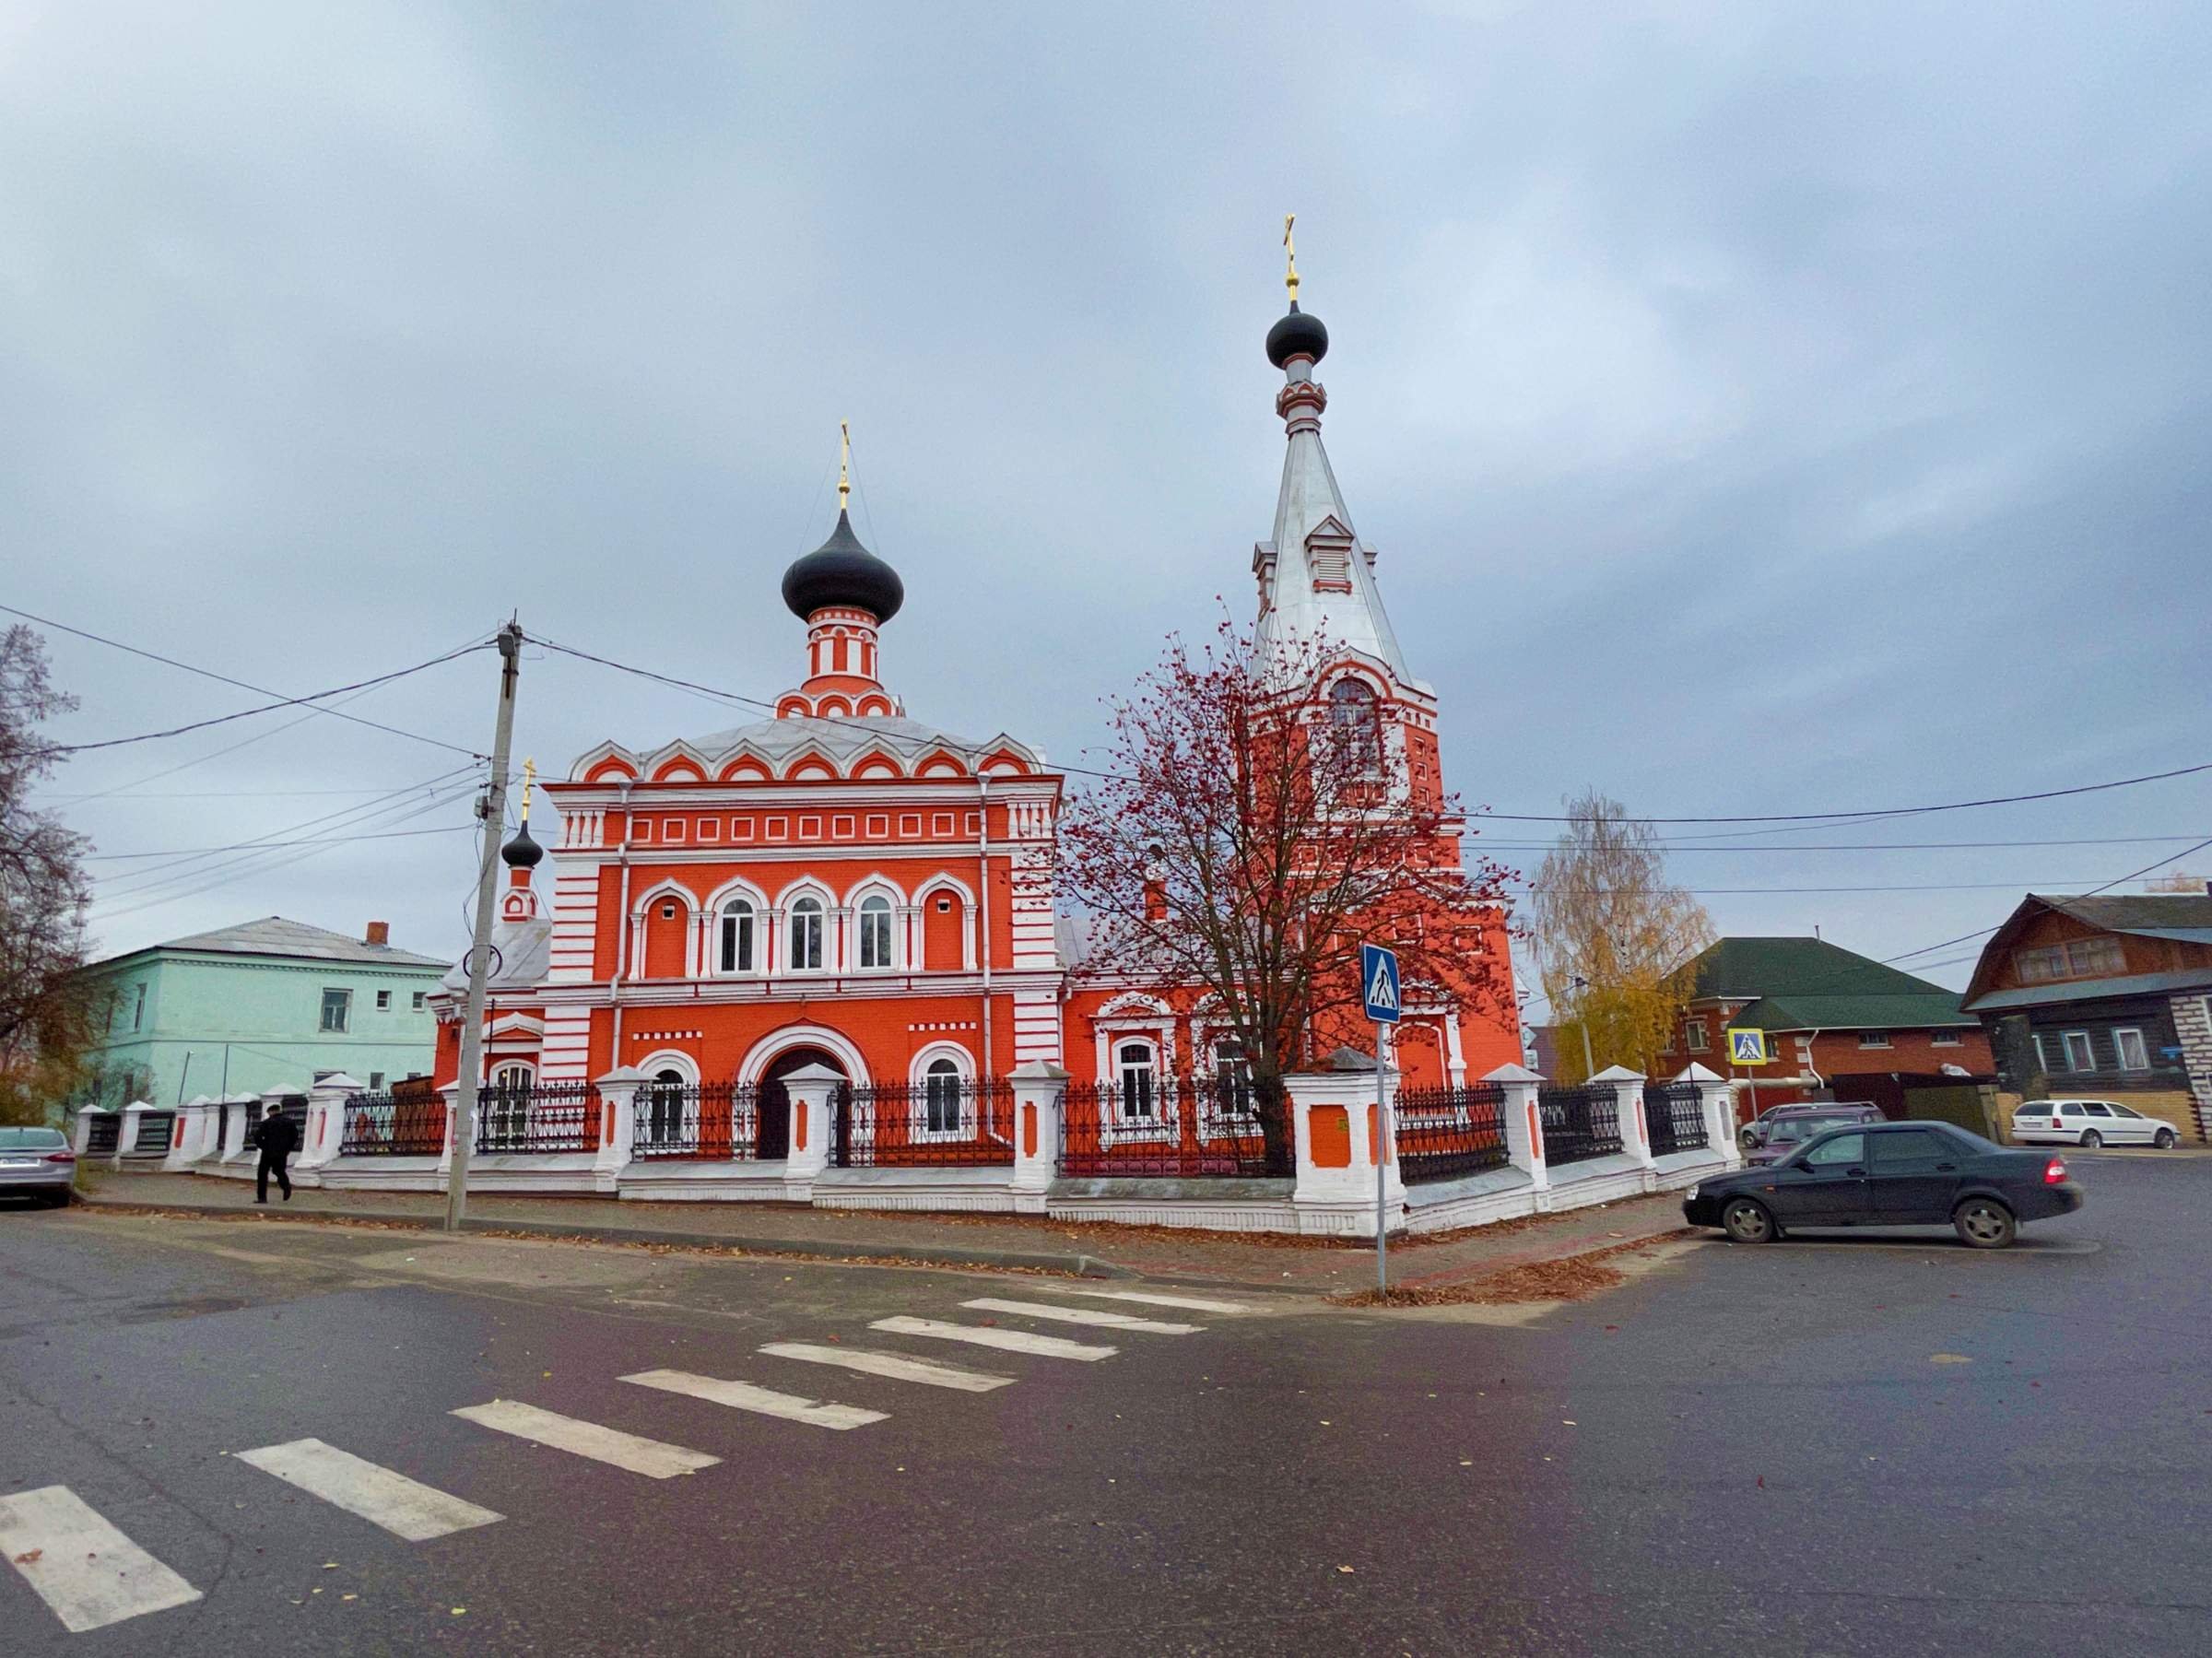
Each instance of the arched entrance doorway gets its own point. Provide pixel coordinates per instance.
(775, 1116)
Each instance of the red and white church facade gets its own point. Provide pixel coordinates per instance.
(843, 905)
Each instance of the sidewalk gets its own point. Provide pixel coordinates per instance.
(1309, 1265)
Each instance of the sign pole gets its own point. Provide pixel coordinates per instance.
(1382, 1139)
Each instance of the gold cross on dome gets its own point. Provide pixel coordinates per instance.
(1290, 257)
(529, 777)
(844, 463)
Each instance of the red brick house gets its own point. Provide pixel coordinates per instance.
(1828, 1013)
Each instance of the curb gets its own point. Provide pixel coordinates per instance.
(1077, 1265)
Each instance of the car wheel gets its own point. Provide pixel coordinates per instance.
(1985, 1223)
(1746, 1220)
(2090, 1139)
(2166, 1140)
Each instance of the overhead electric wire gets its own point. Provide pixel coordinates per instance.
(314, 696)
(104, 857)
(259, 690)
(2092, 892)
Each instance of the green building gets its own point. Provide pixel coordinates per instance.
(263, 1005)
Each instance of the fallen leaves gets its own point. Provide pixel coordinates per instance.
(29, 1556)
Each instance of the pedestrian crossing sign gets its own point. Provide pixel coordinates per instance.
(1379, 982)
(1748, 1047)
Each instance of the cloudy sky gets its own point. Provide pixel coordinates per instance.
(1760, 409)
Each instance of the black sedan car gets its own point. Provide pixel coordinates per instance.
(1889, 1174)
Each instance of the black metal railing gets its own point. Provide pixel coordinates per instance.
(1447, 1132)
(155, 1128)
(102, 1137)
(538, 1117)
(407, 1121)
(938, 1123)
(1579, 1124)
(1173, 1127)
(291, 1105)
(712, 1121)
(1675, 1114)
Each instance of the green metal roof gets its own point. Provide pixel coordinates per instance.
(1808, 984)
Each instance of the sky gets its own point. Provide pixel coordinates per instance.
(1760, 409)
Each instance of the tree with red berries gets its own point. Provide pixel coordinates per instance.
(1250, 832)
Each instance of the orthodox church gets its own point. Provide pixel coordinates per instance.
(844, 885)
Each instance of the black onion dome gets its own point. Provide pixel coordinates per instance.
(1296, 334)
(841, 571)
(521, 852)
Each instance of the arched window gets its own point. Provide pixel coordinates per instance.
(1138, 1063)
(738, 936)
(514, 1076)
(806, 934)
(1356, 723)
(505, 1110)
(664, 1108)
(941, 1097)
(875, 930)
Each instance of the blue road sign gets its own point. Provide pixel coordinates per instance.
(1379, 982)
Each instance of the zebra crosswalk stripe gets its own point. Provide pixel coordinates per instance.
(1188, 1303)
(611, 1445)
(404, 1506)
(767, 1402)
(895, 1365)
(88, 1573)
(1082, 1315)
(983, 1336)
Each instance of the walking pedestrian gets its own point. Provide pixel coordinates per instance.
(279, 1139)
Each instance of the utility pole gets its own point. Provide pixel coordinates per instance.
(494, 812)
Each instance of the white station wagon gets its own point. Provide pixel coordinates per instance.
(2090, 1123)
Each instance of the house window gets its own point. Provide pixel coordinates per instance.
(2134, 1055)
(2043, 1060)
(1874, 1038)
(876, 933)
(376, 1081)
(137, 1004)
(1694, 1035)
(1946, 1038)
(514, 1076)
(419, 999)
(337, 1009)
(1356, 723)
(738, 936)
(384, 1001)
(806, 935)
(1138, 1064)
(2076, 958)
(1232, 1078)
(941, 1097)
(2080, 1055)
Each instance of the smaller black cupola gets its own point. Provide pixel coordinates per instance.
(1297, 334)
(521, 852)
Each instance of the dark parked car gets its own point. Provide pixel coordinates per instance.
(37, 1162)
(1786, 1127)
(1888, 1174)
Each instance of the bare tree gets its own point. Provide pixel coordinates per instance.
(48, 1012)
(1611, 934)
(1252, 834)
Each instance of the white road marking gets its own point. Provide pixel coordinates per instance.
(1187, 1303)
(1013, 1341)
(744, 1395)
(895, 1365)
(1081, 1315)
(649, 1457)
(89, 1574)
(402, 1506)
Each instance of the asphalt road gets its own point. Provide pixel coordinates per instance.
(1840, 1447)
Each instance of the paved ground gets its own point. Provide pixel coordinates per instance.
(1844, 1447)
(1151, 1251)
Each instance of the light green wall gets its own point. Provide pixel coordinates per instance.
(263, 1014)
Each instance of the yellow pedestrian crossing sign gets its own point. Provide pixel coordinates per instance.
(1748, 1048)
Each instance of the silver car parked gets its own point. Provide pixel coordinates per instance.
(37, 1162)
(2091, 1122)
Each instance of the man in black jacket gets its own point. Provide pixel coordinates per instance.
(279, 1139)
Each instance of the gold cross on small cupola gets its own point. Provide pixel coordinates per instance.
(844, 464)
(1290, 259)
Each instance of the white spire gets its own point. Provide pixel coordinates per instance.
(1317, 579)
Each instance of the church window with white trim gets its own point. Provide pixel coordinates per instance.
(738, 936)
(806, 936)
(875, 930)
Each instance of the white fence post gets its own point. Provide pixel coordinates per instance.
(186, 1139)
(450, 1093)
(1333, 1117)
(126, 1133)
(1523, 1128)
(1628, 1100)
(1039, 1088)
(1719, 1102)
(810, 1087)
(325, 1130)
(617, 1125)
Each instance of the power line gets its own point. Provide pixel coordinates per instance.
(259, 690)
(2092, 892)
(266, 845)
(247, 714)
